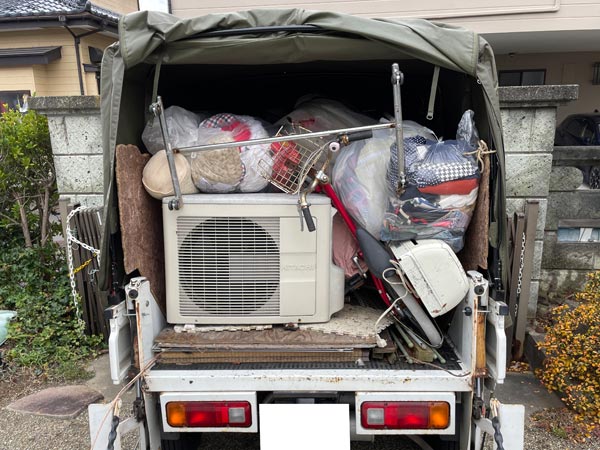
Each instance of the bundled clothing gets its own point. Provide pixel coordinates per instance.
(441, 192)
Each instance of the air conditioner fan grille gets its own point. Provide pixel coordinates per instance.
(228, 266)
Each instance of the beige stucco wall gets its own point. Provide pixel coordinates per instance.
(60, 77)
(562, 68)
(17, 79)
(490, 16)
(56, 74)
(57, 78)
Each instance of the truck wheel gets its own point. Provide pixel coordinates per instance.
(186, 441)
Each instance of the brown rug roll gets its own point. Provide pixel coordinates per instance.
(140, 219)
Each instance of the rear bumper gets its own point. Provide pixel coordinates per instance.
(349, 380)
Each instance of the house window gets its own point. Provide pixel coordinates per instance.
(13, 100)
(522, 77)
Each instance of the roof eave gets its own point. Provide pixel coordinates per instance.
(85, 19)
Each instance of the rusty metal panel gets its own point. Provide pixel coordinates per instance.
(532, 208)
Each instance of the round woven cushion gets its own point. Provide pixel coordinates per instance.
(217, 170)
(157, 176)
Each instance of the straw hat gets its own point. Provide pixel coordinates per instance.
(157, 176)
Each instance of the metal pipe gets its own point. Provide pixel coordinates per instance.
(158, 111)
(415, 337)
(409, 359)
(397, 80)
(77, 42)
(404, 335)
(437, 354)
(78, 59)
(292, 138)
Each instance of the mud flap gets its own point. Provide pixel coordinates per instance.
(495, 340)
(119, 342)
(512, 428)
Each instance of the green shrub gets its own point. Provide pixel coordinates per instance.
(572, 346)
(46, 335)
(27, 177)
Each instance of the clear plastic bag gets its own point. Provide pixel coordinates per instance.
(415, 138)
(442, 162)
(418, 215)
(466, 130)
(321, 114)
(233, 169)
(441, 192)
(181, 124)
(359, 175)
(359, 179)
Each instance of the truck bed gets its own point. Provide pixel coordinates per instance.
(377, 369)
(278, 348)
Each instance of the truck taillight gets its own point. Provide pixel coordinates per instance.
(209, 414)
(405, 415)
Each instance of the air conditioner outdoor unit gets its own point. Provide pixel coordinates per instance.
(243, 259)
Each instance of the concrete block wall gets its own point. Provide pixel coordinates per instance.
(529, 121)
(75, 133)
(572, 204)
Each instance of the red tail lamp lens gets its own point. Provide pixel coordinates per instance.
(209, 414)
(405, 415)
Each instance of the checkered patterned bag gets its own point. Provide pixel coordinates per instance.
(411, 156)
(444, 161)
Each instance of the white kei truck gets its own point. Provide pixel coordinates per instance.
(219, 304)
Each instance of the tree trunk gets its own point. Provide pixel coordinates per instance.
(24, 221)
(45, 219)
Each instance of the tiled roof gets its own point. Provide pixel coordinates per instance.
(33, 8)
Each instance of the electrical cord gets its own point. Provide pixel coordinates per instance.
(496, 423)
(380, 341)
(116, 402)
(435, 366)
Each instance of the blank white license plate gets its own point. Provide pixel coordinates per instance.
(304, 426)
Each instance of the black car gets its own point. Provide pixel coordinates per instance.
(581, 129)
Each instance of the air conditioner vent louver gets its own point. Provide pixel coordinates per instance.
(229, 266)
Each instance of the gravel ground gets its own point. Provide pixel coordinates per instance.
(25, 432)
(537, 439)
(21, 431)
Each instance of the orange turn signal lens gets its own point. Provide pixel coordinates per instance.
(176, 414)
(439, 415)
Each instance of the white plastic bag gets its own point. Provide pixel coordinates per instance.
(181, 124)
(359, 175)
(359, 179)
(321, 114)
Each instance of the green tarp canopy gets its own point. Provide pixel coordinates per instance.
(149, 37)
